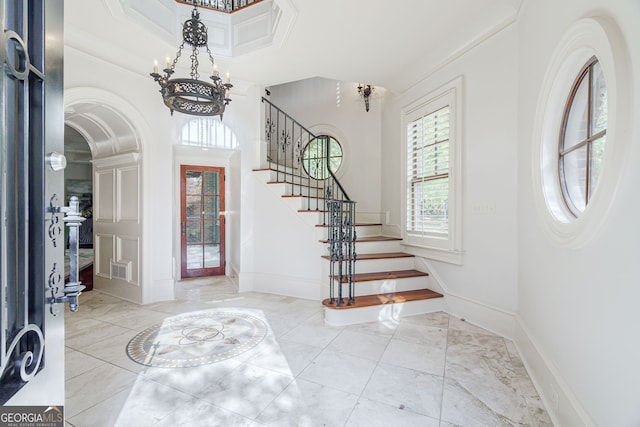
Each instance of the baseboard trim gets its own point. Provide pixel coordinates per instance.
(280, 285)
(493, 319)
(565, 409)
(234, 275)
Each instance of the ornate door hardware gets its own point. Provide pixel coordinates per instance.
(73, 287)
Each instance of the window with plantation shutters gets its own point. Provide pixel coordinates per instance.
(432, 167)
(428, 174)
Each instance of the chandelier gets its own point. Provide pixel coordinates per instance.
(192, 95)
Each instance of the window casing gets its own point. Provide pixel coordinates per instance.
(432, 220)
(583, 40)
(583, 137)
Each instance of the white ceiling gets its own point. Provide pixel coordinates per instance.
(388, 44)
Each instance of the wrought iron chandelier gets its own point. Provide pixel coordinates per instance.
(192, 95)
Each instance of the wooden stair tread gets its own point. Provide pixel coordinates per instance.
(377, 239)
(299, 184)
(385, 275)
(306, 196)
(357, 224)
(273, 170)
(388, 298)
(371, 239)
(380, 255)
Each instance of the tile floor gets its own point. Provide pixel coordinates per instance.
(426, 370)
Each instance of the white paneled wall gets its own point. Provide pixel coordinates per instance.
(118, 226)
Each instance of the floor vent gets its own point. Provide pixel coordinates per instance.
(121, 270)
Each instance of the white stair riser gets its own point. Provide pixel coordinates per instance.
(372, 247)
(390, 285)
(292, 202)
(382, 313)
(308, 203)
(368, 230)
(381, 286)
(304, 190)
(384, 264)
(361, 231)
(283, 175)
(317, 217)
(378, 246)
(376, 265)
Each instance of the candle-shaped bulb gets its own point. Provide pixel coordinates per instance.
(228, 77)
(168, 62)
(215, 70)
(155, 66)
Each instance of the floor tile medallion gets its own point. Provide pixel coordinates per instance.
(197, 338)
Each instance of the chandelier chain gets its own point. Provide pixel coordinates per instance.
(194, 64)
(175, 60)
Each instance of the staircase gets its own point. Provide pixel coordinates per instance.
(387, 284)
(366, 276)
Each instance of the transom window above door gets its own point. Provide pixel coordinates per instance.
(208, 132)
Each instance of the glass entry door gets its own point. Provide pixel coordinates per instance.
(202, 221)
(31, 238)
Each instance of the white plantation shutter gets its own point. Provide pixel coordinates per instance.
(428, 174)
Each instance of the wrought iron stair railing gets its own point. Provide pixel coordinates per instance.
(342, 250)
(286, 141)
(227, 6)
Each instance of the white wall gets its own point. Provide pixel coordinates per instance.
(488, 278)
(578, 323)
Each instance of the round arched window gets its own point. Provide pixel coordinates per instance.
(314, 156)
(583, 137)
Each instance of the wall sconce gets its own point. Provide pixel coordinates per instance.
(365, 92)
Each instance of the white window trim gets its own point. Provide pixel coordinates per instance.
(447, 248)
(588, 37)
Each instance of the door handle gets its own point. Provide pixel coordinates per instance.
(184, 228)
(73, 288)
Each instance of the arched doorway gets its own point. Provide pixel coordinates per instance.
(116, 152)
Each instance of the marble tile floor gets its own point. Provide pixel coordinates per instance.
(426, 370)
